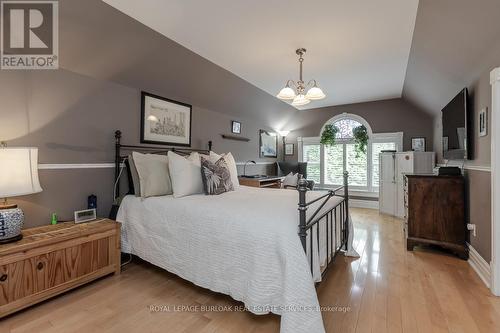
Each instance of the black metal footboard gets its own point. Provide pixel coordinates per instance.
(335, 219)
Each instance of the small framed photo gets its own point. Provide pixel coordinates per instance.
(235, 127)
(418, 144)
(483, 122)
(289, 149)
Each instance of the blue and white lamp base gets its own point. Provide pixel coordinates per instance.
(11, 223)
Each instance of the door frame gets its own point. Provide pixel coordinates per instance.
(495, 181)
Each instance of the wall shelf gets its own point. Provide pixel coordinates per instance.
(235, 137)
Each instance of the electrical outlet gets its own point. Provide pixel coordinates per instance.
(472, 227)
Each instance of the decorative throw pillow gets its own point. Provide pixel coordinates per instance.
(231, 165)
(290, 180)
(216, 176)
(185, 174)
(154, 178)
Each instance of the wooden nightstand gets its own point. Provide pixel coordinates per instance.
(52, 259)
(271, 181)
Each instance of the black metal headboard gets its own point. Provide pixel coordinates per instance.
(120, 157)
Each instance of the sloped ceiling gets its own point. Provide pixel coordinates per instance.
(99, 41)
(454, 42)
(357, 50)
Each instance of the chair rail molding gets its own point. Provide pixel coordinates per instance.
(495, 181)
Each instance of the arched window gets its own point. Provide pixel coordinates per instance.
(346, 123)
(326, 164)
(346, 127)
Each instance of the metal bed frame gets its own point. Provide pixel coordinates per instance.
(336, 218)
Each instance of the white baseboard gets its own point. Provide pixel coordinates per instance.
(357, 203)
(479, 265)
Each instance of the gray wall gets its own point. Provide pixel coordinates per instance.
(392, 115)
(478, 182)
(454, 41)
(106, 59)
(455, 45)
(478, 189)
(71, 118)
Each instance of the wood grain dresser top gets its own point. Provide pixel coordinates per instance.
(48, 234)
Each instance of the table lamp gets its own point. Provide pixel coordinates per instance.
(18, 176)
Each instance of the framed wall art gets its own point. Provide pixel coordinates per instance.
(164, 121)
(268, 144)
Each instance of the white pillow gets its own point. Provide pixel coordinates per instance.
(231, 165)
(153, 174)
(290, 180)
(185, 174)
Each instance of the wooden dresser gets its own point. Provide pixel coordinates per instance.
(435, 212)
(271, 181)
(52, 259)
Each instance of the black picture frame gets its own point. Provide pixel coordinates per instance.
(188, 109)
(268, 144)
(414, 144)
(235, 127)
(286, 149)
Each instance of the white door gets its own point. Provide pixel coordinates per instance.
(387, 187)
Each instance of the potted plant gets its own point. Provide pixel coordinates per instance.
(360, 140)
(329, 135)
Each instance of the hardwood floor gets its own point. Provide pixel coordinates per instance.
(386, 290)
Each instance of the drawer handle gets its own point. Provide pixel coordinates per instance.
(3, 277)
(39, 266)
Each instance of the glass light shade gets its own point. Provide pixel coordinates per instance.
(315, 93)
(18, 172)
(283, 133)
(300, 100)
(286, 93)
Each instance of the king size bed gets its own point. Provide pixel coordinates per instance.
(250, 243)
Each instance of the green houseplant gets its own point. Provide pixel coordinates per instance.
(329, 134)
(360, 140)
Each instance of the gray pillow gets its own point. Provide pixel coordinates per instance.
(135, 176)
(153, 174)
(216, 177)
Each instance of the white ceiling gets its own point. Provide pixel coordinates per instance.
(357, 50)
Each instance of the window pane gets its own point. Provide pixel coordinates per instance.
(346, 126)
(334, 165)
(377, 147)
(313, 172)
(311, 155)
(356, 166)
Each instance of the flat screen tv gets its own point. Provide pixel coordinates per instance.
(456, 126)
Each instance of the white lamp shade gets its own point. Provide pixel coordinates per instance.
(300, 100)
(286, 93)
(315, 93)
(18, 172)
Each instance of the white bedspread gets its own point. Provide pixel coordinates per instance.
(242, 243)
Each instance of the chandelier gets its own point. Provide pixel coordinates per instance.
(294, 91)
